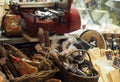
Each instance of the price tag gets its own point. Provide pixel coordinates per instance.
(38, 48)
(109, 55)
(116, 62)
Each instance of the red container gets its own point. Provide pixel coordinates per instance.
(71, 19)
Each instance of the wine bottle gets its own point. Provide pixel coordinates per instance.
(115, 46)
(80, 72)
(107, 42)
(74, 69)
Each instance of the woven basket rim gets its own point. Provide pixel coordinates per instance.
(51, 71)
(84, 76)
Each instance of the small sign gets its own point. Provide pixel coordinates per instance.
(109, 55)
(116, 62)
(93, 42)
(38, 48)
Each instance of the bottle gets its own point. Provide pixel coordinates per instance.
(78, 71)
(115, 46)
(107, 42)
(87, 70)
(74, 69)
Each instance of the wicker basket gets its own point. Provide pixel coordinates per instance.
(40, 76)
(67, 76)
